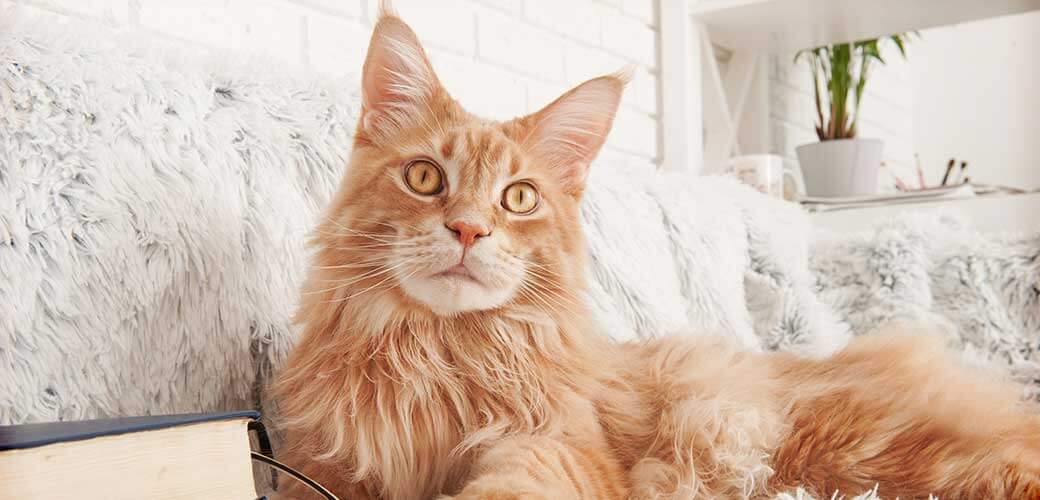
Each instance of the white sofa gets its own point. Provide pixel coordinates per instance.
(154, 208)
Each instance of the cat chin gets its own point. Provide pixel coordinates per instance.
(447, 295)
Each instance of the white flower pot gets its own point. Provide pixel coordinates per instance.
(845, 167)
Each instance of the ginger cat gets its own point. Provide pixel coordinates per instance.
(447, 351)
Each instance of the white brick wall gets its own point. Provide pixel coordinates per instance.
(499, 57)
(887, 112)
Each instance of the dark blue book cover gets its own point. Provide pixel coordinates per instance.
(32, 435)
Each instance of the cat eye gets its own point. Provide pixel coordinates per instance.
(424, 177)
(520, 197)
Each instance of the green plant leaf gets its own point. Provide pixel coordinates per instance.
(870, 50)
(817, 65)
(898, 39)
(841, 72)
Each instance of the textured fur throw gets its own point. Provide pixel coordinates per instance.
(936, 268)
(154, 209)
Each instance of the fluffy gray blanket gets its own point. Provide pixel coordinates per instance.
(935, 268)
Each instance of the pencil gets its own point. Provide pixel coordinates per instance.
(949, 168)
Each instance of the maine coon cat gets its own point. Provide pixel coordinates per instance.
(446, 349)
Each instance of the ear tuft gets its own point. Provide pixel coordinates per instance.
(569, 132)
(398, 82)
(624, 75)
(386, 9)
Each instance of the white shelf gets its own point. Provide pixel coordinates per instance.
(987, 213)
(787, 25)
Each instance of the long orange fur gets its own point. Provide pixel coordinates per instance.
(386, 397)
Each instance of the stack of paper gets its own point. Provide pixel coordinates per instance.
(821, 204)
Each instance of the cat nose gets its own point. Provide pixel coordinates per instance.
(466, 232)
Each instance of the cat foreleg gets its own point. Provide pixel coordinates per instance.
(538, 467)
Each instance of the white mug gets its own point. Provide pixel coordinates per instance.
(767, 174)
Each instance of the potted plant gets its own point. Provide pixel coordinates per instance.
(842, 164)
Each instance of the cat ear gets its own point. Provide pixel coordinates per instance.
(398, 82)
(569, 132)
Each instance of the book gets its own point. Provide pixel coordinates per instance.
(197, 456)
(821, 204)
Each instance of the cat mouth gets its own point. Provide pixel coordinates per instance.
(458, 272)
(457, 289)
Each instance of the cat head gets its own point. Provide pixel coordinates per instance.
(446, 212)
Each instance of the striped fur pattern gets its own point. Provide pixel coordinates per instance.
(412, 383)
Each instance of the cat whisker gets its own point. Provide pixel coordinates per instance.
(535, 290)
(370, 288)
(543, 281)
(337, 223)
(368, 261)
(354, 279)
(381, 238)
(378, 246)
(348, 266)
(552, 296)
(393, 225)
(353, 231)
(534, 264)
(536, 301)
(546, 278)
(546, 270)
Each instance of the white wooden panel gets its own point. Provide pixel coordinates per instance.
(681, 113)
